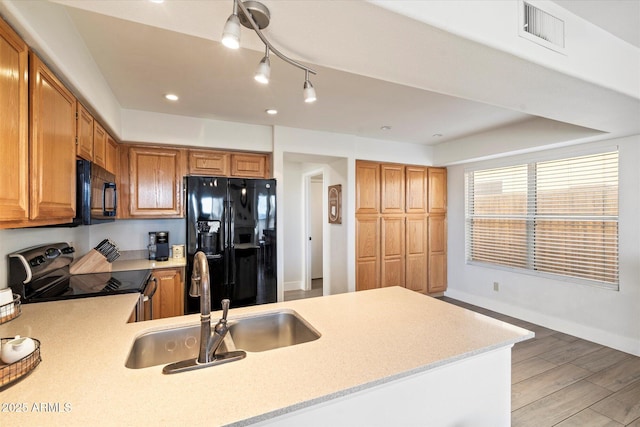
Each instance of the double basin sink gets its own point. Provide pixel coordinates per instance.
(254, 333)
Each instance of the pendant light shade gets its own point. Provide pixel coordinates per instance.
(231, 32)
(263, 73)
(309, 92)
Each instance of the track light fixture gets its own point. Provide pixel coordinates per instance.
(255, 16)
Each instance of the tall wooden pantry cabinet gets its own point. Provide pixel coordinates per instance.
(400, 226)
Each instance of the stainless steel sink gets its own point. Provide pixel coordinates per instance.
(261, 332)
(271, 330)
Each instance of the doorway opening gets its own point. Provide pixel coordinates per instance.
(313, 235)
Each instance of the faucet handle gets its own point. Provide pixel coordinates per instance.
(225, 308)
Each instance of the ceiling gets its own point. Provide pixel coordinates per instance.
(146, 50)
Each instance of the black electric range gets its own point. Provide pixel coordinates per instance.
(41, 273)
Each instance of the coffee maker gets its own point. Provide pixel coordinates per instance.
(159, 245)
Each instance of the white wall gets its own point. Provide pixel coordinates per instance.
(144, 126)
(316, 214)
(290, 219)
(604, 316)
(49, 31)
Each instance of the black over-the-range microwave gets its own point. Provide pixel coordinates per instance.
(96, 194)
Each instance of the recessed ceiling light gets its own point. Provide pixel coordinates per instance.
(271, 111)
(385, 127)
(171, 97)
(157, 1)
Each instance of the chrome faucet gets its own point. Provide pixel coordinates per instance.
(210, 340)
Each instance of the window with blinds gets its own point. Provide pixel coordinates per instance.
(555, 217)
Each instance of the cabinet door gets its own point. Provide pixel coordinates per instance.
(168, 301)
(367, 188)
(416, 190)
(437, 190)
(437, 253)
(417, 257)
(84, 133)
(210, 163)
(111, 155)
(99, 145)
(392, 272)
(155, 182)
(392, 189)
(53, 149)
(367, 252)
(249, 165)
(14, 126)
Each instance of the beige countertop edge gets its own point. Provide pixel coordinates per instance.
(145, 264)
(428, 333)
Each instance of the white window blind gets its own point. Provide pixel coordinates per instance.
(555, 217)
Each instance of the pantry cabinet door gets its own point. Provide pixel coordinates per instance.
(392, 188)
(392, 271)
(367, 252)
(367, 188)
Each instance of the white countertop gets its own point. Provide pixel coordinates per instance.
(368, 338)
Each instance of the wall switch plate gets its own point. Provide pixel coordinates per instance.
(496, 286)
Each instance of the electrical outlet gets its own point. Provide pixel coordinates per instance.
(496, 286)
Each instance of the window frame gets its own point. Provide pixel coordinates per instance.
(531, 216)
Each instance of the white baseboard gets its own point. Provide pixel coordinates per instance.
(294, 286)
(599, 336)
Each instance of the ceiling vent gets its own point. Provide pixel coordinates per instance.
(541, 27)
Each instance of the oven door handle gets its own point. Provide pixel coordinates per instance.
(150, 296)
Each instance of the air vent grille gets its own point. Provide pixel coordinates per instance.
(543, 25)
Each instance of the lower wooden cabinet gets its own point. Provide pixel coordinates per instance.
(416, 253)
(367, 252)
(437, 253)
(168, 300)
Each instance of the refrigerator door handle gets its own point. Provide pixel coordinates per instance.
(232, 249)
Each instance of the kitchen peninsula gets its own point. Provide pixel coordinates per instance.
(385, 356)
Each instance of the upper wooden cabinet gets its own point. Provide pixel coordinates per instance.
(154, 180)
(437, 190)
(84, 133)
(245, 165)
(392, 187)
(111, 161)
(14, 126)
(209, 163)
(367, 187)
(99, 145)
(52, 149)
(416, 189)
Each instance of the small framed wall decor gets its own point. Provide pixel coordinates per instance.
(335, 204)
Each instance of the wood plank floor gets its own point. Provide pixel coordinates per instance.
(561, 380)
(315, 291)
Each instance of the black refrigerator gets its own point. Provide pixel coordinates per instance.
(233, 221)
